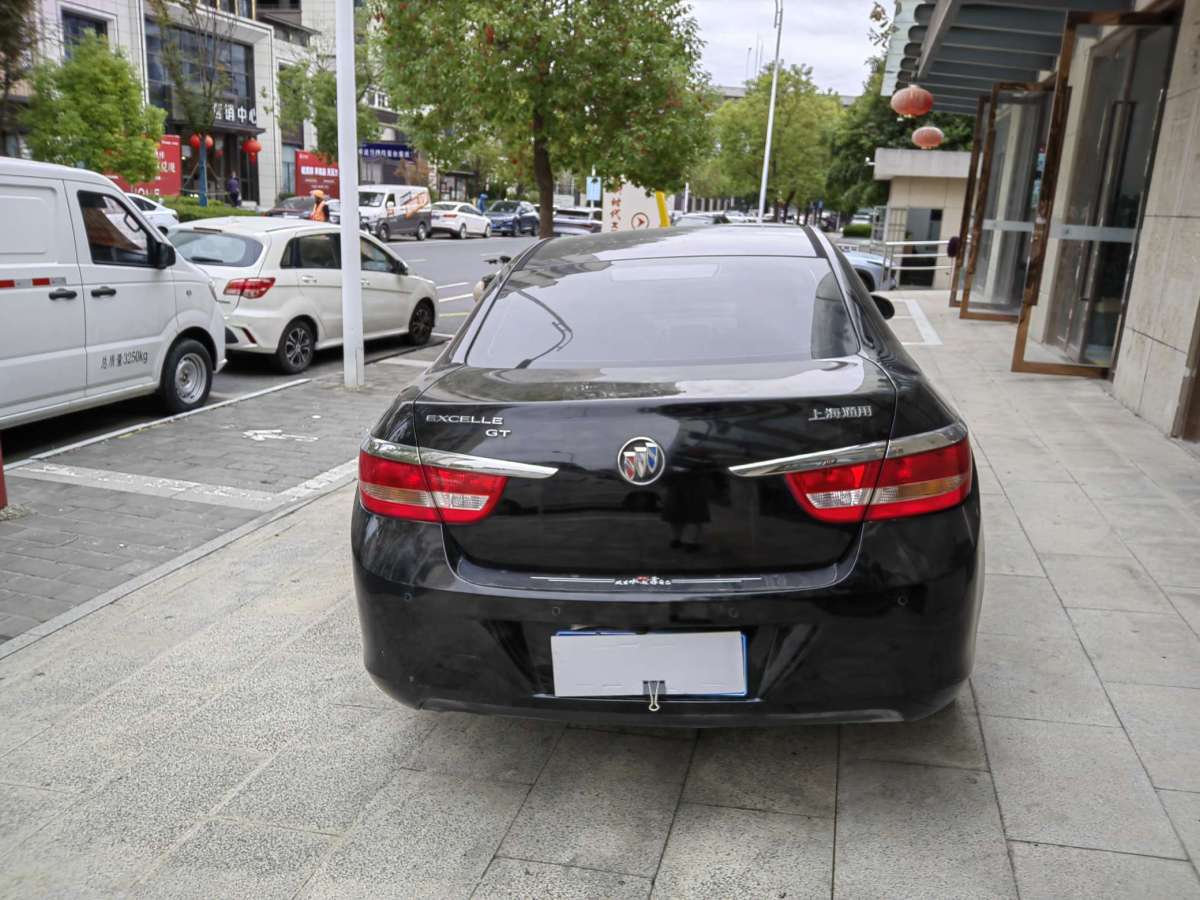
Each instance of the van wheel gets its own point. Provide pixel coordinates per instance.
(296, 346)
(187, 376)
(420, 323)
(422, 232)
(384, 233)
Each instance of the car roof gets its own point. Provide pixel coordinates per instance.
(28, 168)
(257, 225)
(658, 243)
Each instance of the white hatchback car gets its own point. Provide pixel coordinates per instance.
(459, 219)
(279, 283)
(160, 216)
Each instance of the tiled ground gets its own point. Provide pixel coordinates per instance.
(214, 734)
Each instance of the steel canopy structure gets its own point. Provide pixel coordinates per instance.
(957, 49)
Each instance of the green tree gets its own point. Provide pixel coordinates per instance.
(89, 111)
(799, 146)
(18, 36)
(870, 122)
(612, 85)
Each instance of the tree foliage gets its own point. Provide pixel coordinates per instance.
(612, 85)
(18, 37)
(871, 122)
(89, 111)
(799, 146)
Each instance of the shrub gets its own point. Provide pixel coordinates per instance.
(190, 210)
(857, 230)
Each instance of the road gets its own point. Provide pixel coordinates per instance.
(453, 265)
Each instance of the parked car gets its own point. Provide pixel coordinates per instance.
(578, 220)
(292, 208)
(459, 219)
(677, 477)
(390, 210)
(692, 219)
(97, 307)
(161, 217)
(279, 284)
(872, 269)
(513, 217)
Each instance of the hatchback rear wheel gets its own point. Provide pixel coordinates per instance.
(296, 347)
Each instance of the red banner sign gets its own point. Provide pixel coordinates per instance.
(170, 172)
(314, 172)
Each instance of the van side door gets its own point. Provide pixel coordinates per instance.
(130, 304)
(42, 360)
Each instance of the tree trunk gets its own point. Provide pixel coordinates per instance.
(543, 175)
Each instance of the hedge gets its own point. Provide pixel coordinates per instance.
(857, 230)
(189, 209)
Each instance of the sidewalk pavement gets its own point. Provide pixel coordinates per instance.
(213, 734)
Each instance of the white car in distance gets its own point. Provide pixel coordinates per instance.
(279, 285)
(459, 220)
(161, 217)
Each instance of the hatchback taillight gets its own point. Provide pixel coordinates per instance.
(248, 288)
(886, 489)
(405, 490)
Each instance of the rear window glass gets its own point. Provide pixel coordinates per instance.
(206, 249)
(675, 311)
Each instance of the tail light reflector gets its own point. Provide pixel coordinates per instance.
(891, 488)
(248, 288)
(404, 490)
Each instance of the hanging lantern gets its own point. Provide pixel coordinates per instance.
(194, 140)
(208, 141)
(252, 148)
(912, 101)
(927, 137)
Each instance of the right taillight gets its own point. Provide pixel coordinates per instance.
(408, 490)
(248, 288)
(890, 488)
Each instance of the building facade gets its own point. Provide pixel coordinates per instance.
(1083, 215)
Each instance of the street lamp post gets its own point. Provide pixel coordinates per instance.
(762, 190)
(347, 107)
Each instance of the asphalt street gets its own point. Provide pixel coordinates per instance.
(453, 265)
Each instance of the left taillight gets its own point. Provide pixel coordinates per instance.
(248, 288)
(894, 487)
(408, 490)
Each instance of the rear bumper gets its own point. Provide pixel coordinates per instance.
(892, 638)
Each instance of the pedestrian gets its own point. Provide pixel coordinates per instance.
(320, 210)
(233, 188)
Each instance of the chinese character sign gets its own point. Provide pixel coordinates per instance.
(630, 208)
(170, 171)
(314, 172)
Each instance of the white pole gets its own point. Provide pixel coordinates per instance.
(762, 190)
(347, 111)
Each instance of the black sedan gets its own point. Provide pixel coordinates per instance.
(513, 217)
(673, 476)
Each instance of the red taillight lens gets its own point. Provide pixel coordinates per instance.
(888, 489)
(248, 288)
(426, 493)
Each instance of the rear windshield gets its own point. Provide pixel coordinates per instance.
(297, 203)
(503, 206)
(207, 249)
(445, 204)
(678, 311)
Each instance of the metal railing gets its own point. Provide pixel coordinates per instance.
(900, 256)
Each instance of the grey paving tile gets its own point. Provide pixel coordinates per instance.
(25, 809)
(324, 782)
(426, 835)
(719, 852)
(1164, 724)
(918, 831)
(1067, 873)
(788, 770)
(236, 860)
(1171, 563)
(1020, 458)
(494, 747)
(1187, 604)
(1019, 605)
(1077, 785)
(1098, 583)
(1148, 518)
(1059, 518)
(1144, 648)
(518, 879)
(1038, 677)
(604, 801)
(1008, 549)
(1184, 810)
(947, 738)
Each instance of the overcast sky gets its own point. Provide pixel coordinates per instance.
(830, 37)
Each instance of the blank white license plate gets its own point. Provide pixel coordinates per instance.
(617, 664)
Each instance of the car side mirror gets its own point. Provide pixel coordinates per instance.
(401, 267)
(885, 306)
(164, 255)
(482, 285)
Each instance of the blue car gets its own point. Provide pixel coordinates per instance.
(513, 217)
(872, 269)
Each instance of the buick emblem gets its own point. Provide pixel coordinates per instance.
(641, 461)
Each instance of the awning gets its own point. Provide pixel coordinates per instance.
(957, 49)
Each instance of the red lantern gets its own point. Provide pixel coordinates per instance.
(927, 137)
(252, 148)
(194, 140)
(912, 101)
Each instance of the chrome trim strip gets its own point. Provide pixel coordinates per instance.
(406, 453)
(929, 440)
(805, 462)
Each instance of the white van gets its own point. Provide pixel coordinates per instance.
(390, 210)
(95, 306)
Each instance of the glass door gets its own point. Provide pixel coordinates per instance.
(958, 276)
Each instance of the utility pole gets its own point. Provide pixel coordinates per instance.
(347, 111)
(762, 190)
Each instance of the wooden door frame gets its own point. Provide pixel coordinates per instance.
(1165, 15)
(968, 199)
